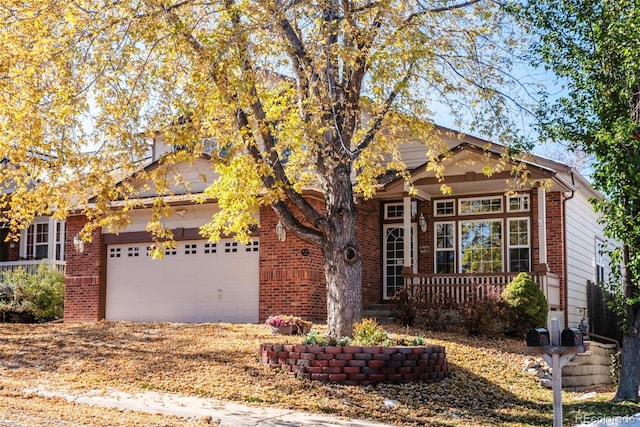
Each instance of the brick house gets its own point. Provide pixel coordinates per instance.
(479, 235)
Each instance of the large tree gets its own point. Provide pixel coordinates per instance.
(293, 93)
(594, 47)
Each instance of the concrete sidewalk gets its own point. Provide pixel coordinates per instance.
(222, 413)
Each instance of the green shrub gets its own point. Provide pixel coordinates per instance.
(527, 305)
(369, 332)
(32, 297)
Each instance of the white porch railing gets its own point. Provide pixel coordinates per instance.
(30, 266)
(459, 288)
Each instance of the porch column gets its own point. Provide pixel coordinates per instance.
(51, 246)
(542, 226)
(406, 225)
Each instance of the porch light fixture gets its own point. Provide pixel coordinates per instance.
(281, 232)
(78, 243)
(422, 222)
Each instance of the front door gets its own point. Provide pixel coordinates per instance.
(393, 258)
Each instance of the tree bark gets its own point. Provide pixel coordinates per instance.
(342, 260)
(630, 370)
(630, 363)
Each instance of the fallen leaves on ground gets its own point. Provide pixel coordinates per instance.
(486, 385)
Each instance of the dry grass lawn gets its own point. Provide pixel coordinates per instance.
(486, 386)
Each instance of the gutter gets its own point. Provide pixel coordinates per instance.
(564, 249)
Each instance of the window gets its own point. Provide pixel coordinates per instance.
(481, 246)
(600, 261)
(393, 211)
(480, 205)
(59, 241)
(37, 241)
(445, 252)
(133, 251)
(518, 245)
(444, 208)
(518, 203)
(396, 210)
(231, 247)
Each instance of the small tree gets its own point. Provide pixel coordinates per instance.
(527, 304)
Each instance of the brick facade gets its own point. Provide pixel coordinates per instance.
(291, 274)
(368, 235)
(84, 293)
(555, 240)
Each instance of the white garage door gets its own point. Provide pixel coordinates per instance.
(198, 281)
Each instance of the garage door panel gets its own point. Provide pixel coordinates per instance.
(197, 281)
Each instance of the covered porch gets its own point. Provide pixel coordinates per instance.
(473, 240)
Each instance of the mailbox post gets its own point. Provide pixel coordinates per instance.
(557, 353)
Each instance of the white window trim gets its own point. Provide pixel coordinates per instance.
(436, 249)
(459, 232)
(51, 236)
(61, 242)
(435, 207)
(507, 235)
(386, 210)
(413, 212)
(470, 199)
(521, 197)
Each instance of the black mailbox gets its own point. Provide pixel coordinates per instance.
(538, 337)
(571, 337)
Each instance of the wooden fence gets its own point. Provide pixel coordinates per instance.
(459, 288)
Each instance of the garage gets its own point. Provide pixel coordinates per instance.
(198, 281)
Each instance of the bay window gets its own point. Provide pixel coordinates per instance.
(483, 237)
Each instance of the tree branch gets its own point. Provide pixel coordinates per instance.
(377, 121)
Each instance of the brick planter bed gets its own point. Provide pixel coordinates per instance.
(355, 365)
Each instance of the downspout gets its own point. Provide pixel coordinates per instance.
(564, 249)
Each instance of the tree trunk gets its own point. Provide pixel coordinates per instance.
(342, 260)
(343, 272)
(630, 363)
(630, 370)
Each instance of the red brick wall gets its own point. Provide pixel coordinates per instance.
(355, 365)
(83, 296)
(368, 235)
(555, 236)
(291, 274)
(14, 251)
(555, 239)
(425, 239)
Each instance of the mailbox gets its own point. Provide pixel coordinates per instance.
(538, 337)
(571, 337)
